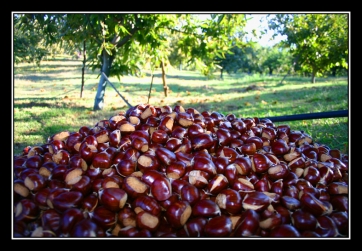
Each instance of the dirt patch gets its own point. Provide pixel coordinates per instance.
(255, 87)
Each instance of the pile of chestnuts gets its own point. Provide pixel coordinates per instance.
(172, 172)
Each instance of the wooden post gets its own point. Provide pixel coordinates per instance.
(84, 60)
(165, 87)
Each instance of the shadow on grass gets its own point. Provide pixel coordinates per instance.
(178, 76)
(23, 103)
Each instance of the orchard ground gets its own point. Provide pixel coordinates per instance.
(46, 99)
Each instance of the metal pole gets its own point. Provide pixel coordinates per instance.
(315, 115)
(104, 75)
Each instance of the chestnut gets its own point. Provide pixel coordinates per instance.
(270, 221)
(167, 124)
(126, 127)
(218, 183)
(279, 147)
(50, 219)
(315, 206)
(247, 225)
(260, 163)
(101, 160)
(190, 193)
(61, 157)
(83, 185)
(311, 174)
(340, 202)
(205, 208)
(341, 221)
(248, 148)
(176, 170)
(195, 227)
(225, 151)
(161, 188)
(198, 178)
(202, 141)
(126, 166)
(149, 176)
(113, 121)
(146, 203)
(290, 203)
(104, 218)
(21, 189)
(40, 198)
(205, 164)
(229, 201)
(148, 221)
(56, 145)
(112, 198)
(77, 161)
(87, 228)
(126, 216)
(223, 136)
(242, 184)
(90, 202)
(326, 226)
(134, 186)
(35, 182)
(220, 164)
(165, 156)
(140, 144)
(35, 161)
(278, 171)
(256, 200)
(337, 188)
(218, 226)
(178, 213)
(303, 220)
(148, 161)
(166, 203)
(67, 199)
(88, 150)
(26, 210)
(284, 230)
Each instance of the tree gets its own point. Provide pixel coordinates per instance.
(277, 59)
(117, 44)
(232, 61)
(318, 41)
(28, 45)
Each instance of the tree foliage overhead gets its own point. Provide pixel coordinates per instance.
(121, 43)
(28, 45)
(319, 42)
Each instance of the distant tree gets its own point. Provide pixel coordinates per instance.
(318, 41)
(232, 61)
(277, 59)
(28, 45)
(246, 58)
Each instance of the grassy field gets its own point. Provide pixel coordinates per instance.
(46, 100)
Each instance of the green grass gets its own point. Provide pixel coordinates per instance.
(47, 100)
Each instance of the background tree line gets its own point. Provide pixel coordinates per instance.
(119, 44)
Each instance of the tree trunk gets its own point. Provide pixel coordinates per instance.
(221, 74)
(334, 71)
(165, 87)
(314, 73)
(106, 67)
(84, 60)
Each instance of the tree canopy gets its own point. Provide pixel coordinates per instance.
(118, 44)
(318, 41)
